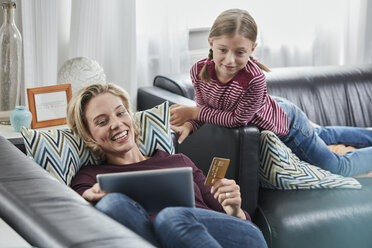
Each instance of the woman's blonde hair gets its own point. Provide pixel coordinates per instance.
(75, 112)
(229, 23)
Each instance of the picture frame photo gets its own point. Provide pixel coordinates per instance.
(48, 105)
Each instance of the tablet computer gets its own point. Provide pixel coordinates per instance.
(153, 189)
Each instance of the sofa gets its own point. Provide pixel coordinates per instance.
(47, 213)
(329, 95)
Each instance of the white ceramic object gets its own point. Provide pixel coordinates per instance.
(81, 72)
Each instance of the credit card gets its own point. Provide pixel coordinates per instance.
(217, 170)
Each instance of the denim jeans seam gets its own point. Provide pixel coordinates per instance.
(140, 208)
(303, 152)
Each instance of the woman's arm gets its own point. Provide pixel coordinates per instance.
(231, 206)
(85, 184)
(227, 192)
(94, 194)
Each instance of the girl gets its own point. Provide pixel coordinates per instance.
(230, 90)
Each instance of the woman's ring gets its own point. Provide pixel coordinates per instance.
(227, 195)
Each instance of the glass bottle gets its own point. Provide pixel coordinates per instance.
(10, 59)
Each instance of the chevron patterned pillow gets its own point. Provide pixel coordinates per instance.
(282, 169)
(62, 153)
(155, 130)
(59, 151)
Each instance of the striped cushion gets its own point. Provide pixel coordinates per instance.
(59, 151)
(282, 169)
(155, 130)
(62, 153)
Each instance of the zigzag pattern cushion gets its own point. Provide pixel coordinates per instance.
(60, 152)
(282, 169)
(155, 130)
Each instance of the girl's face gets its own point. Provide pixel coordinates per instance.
(110, 125)
(230, 55)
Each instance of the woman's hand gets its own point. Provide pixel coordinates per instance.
(227, 192)
(94, 194)
(179, 114)
(182, 131)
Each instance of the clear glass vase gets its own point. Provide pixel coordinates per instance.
(10, 60)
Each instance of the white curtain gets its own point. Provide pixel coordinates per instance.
(135, 40)
(358, 33)
(105, 32)
(40, 44)
(162, 39)
(125, 37)
(301, 33)
(313, 33)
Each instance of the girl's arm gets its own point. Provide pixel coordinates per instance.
(249, 103)
(180, 114)
(182, 131)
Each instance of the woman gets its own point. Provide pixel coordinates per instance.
(101, 115)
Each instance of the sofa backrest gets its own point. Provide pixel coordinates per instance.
(329, 95)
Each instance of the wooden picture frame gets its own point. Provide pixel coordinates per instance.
(48, 105)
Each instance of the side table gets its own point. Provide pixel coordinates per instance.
(8, 132)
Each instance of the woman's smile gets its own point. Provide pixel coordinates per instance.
(120, 137)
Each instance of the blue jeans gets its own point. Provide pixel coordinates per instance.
(128, 213)
(310, 144)
(182, 226)
(197, 227)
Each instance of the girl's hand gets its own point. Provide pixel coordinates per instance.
(94, 194)
(182, 131)
(227, 192)
(179, 114)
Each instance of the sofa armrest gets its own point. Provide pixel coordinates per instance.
(240, 145)
(179, 84)
(148, 97)
(47, 213)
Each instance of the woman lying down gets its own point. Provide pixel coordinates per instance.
(101, 115)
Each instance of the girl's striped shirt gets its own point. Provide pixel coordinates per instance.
(240, 101)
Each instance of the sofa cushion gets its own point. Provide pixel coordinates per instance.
(62, 153)
(321, 218)
(59, 151)
(282, 169)
(155, 130)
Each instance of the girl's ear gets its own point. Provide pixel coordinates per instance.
(210, 41)
(254, 46)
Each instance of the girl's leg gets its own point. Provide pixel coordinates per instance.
(196, 227)
(350, 136)
(129, 213)
(309, 147)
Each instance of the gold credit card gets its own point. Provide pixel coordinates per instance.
(217, 170)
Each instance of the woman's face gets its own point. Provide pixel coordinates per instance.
(110, 125)
(230, 55)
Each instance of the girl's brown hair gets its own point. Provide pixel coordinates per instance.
(229, 23)
(75, 112)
